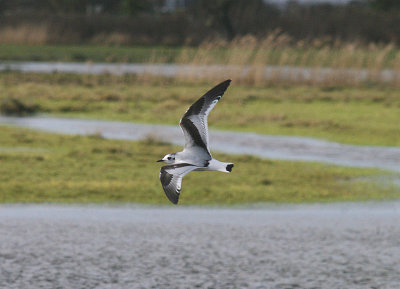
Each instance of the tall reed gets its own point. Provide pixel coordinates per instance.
(24, 34)
(277, 58)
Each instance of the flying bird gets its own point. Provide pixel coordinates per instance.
(196, 154)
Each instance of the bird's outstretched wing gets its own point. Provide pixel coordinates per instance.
(194, 122)
(171, 179)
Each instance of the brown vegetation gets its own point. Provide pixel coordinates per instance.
(274, 58)
(17, 106)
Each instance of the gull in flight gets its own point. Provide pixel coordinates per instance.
(196, 154)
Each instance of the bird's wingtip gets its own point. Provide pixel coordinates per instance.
(224, 84)
(173, 199)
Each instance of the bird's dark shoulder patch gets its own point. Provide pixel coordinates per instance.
(194, 133)
(165, 177)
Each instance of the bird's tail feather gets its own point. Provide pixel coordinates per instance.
(229, 167)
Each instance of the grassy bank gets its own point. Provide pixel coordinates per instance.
(41, 167)
(362, 115)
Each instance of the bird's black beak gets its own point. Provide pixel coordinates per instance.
(159, 161)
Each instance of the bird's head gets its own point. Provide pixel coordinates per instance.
(169, 159)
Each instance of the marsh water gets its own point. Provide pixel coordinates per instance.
(265, 146)
(299, 246)
(290, 73)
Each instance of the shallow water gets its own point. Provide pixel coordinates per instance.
(290, 73)
(305, 246)
(266, 146)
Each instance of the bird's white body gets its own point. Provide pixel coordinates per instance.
(197, 159)
(196, 154)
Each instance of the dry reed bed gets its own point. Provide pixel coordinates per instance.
(277, 59)
(24, 34)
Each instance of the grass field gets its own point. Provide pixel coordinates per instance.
(353, 64)
(42, 167)
(368, 115)
(79, 53)
(272, 50)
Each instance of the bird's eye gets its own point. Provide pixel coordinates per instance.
(169, 158)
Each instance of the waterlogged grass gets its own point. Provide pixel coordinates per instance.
(42, 167)
(362, 115)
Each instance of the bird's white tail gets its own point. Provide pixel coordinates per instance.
(215, 165)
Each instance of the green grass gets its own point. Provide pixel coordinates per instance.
(350, 55)
(42, 167)
(79, 53)
(368, 115)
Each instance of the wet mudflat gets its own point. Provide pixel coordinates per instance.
(298, 246)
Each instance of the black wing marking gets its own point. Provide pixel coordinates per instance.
(194, 122)
(192, 129)
(171, 179)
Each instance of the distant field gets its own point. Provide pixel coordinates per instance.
(79, 53)
(363, 115)
(42, 167)
(246, 51)
(247, 54)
